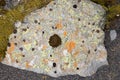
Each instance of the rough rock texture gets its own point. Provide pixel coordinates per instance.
(65, 37)
(12, 3)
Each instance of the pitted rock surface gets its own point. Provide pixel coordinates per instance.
(64, 37)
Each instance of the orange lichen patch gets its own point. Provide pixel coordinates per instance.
(27, 65)
(75, 64)
(56, 60)
(44, 47)
(45, 61)
(76, 53)
(11, 49)
(65, 33)
(59, 25)
(70, 46)
(101, 55)
(77, 31)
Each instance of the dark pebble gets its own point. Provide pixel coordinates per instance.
(54, 64)
(15, 31)
(74, 6)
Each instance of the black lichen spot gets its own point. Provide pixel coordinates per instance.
(51, 9)
(88, 51)
(39, 23)
(95, 50)
(97, 31)
(89, 23)
(14, 36)
(23, 55)
(53, 27)
(93, 30)
(83, 41)
(78, 19)
(93, 23)
(21, 49)
(79, 1)
(77, 68)
(15, 31)
(54, 64)
(15, 44)
(24, 29)
(54, 3)
(35, 21)
(55, 72)
(9, 44)
(43, 32)
(55, 41)
(50, 55)
(16, 61)
(33, 49)
(24, 40)
(74, 6)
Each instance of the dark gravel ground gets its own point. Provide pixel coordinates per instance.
(109, 72)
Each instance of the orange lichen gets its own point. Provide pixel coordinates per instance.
(45, 61)
(44, 47)
(75, 64)
(27, 65)
(65, 33)
(59, 25)
(76, 53)
(70, 46)
(12, 47)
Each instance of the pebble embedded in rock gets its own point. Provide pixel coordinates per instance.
(113, 35)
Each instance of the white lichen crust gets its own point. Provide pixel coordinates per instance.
(75, 25)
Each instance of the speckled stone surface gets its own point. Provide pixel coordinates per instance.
(57, 40)
(109, 72)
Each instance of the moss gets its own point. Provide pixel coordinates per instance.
(10, 17)
(112, 8)
(2, 3)
(113, 11)
(106, 3)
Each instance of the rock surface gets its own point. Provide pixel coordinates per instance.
(13, 3)
(65, 37)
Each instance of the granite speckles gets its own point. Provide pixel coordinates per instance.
(77, 47)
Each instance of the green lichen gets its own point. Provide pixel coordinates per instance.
(10, 17)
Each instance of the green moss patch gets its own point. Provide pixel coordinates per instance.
(112, 8)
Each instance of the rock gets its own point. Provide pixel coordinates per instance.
(64, 37)
(12, 3)
(17, 24)
(113, 35)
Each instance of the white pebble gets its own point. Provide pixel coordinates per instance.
(113, 35)
(18, 24)
(65, 52)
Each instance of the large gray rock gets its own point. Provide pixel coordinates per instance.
(65, 37)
